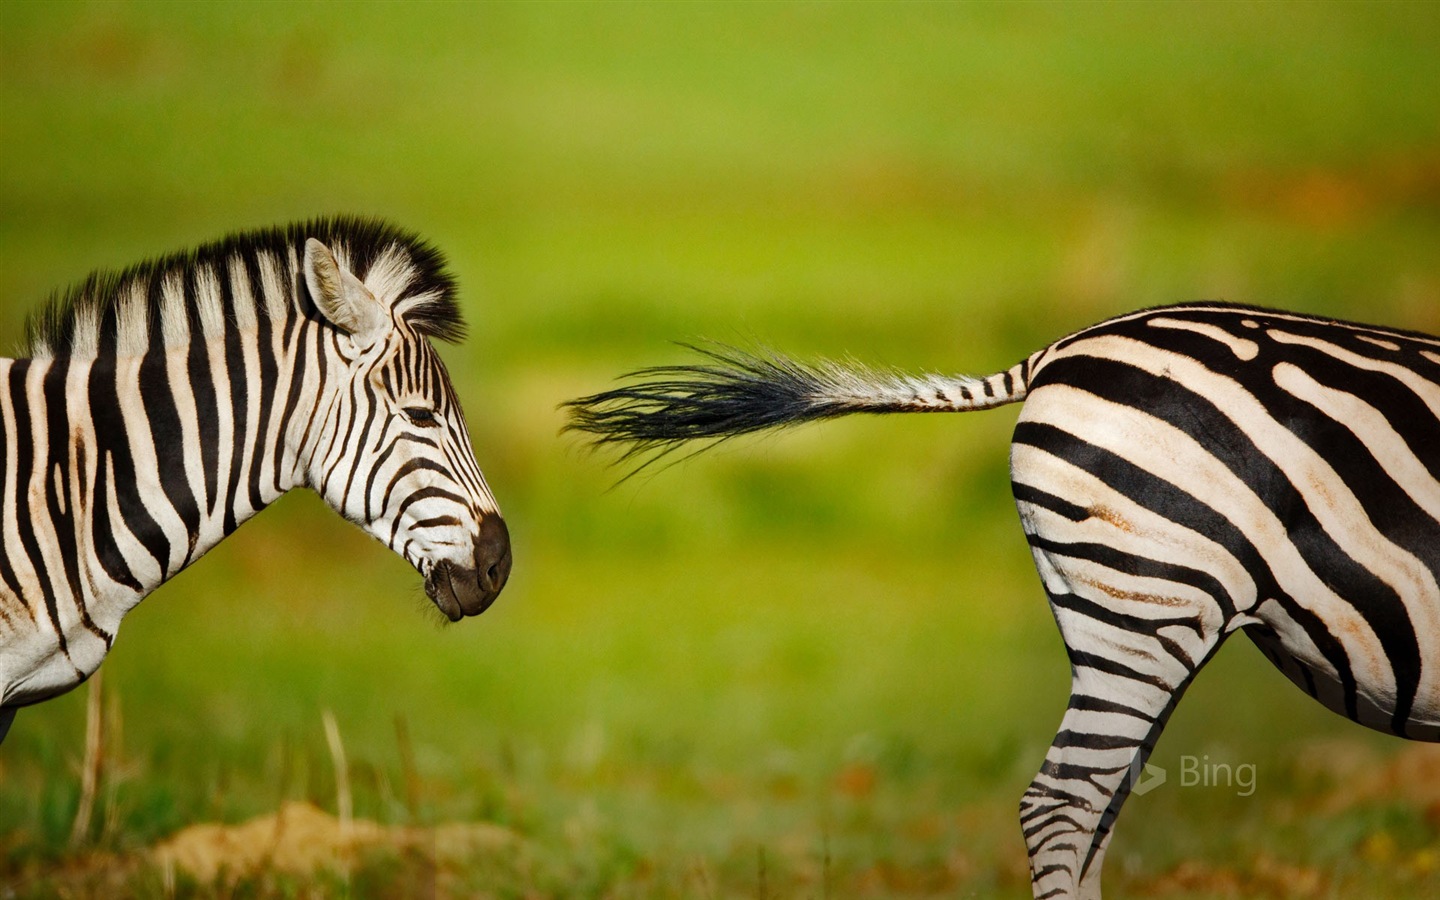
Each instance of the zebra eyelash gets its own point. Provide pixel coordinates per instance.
(423, 416)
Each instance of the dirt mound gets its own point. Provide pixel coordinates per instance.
(302, 839)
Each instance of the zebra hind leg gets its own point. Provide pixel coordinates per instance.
(1120, 698)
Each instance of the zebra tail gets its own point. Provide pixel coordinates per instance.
(740, 392)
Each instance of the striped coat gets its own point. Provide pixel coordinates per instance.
(155, 410)
(1181, 474)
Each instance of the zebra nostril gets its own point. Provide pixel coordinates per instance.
(492, 553)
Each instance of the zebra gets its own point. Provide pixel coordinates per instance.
(154, 410)
(1181, 473)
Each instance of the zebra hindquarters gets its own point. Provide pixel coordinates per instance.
(1143, 596)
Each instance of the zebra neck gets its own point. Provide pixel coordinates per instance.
(118, 473)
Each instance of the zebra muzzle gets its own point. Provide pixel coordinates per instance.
(459, 590)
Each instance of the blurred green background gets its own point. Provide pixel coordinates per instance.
(814, 664)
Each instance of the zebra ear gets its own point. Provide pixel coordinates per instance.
(341, 297)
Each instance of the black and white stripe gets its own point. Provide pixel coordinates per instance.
(1181, 473)
(156, 409)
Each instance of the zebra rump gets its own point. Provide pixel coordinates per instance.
(1181, 473)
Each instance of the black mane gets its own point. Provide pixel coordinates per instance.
(51, 329)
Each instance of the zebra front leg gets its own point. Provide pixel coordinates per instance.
(1121, 695)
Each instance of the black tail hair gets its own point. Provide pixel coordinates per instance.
(741, 392)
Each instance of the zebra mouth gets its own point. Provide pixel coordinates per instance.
(442, 593)
(457, 592)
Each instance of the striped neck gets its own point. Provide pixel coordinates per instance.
(146, 462)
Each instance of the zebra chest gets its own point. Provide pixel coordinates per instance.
(37, 663)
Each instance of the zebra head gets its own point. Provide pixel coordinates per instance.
(390, 450)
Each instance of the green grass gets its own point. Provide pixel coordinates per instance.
(815, 664)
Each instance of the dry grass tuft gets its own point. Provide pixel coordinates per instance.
(301, 839)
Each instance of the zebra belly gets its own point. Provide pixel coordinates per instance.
(1370, 702)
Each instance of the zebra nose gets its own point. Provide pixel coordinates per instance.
(492, 554)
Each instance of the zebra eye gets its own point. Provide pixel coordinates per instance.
(420, 415)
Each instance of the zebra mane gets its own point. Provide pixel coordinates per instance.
(237, 278)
